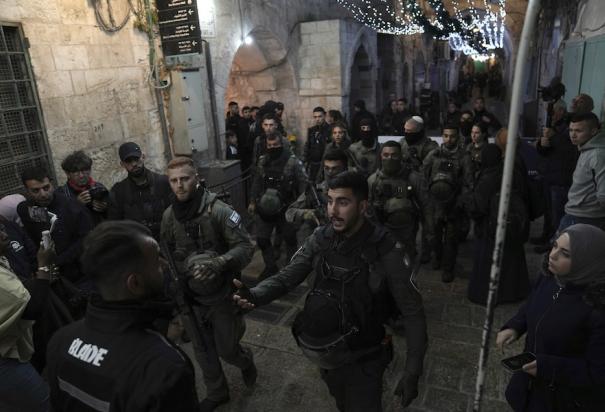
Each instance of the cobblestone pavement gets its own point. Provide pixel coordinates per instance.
(288, 382)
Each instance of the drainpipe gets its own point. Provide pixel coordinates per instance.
(155, 83)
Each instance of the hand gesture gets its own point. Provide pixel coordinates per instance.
(251, 208)
(547, 134)
(407, 388)
(243, 297)
(84, 197)
(486, 119)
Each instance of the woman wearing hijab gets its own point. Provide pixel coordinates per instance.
(482, 206)
(564, 319)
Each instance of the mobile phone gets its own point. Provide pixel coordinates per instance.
(515, 363)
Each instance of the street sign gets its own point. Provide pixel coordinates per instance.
(179, 27)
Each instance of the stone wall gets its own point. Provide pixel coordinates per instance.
(92, 85)
(284, 47)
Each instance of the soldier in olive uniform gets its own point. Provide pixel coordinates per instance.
(309, 210)
(361, 276)
(209, 242)
(416, 146)
(448, 171)
(478, 141)
(278, 181)
(365, 152)
(397, 196)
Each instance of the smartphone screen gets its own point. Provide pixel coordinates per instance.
(515, 363)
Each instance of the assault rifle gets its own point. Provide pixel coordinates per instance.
(186, 311)
(318, 205)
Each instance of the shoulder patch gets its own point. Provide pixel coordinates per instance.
(235, 218)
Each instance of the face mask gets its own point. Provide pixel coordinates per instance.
(391, 166)
(367, 138)
(275, 152)
(413, 137)
(466, 127)
(333, 172)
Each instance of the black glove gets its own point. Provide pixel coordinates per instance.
(407, 388)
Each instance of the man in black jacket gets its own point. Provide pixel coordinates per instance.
(317, 138)
(113, 359)
(82, 187)
(361, 274)
(72, 225)
(143, 195)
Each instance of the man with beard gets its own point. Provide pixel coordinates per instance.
(143, 195)
(309, 210)
(317, 138)
(280, 178)
(365, 152)
(211, 245)
(269, 126)
(114, 359)
(397, 196)
(401, 116)
(72, 225)
(415, 147)
(449, 175)
(481, 115)
(82, 187)
(361, 276)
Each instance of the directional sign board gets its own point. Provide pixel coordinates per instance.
(179, 27)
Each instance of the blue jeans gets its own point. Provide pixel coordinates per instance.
(569, 220)
(22, 388)
(558, 199)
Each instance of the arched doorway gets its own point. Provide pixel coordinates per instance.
(362, 86)
(261, 71)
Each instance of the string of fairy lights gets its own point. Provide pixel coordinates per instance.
(474, 31)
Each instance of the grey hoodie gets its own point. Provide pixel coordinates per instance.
(587, 193)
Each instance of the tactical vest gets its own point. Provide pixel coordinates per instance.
(444, 181)
(418, 152)
(344, 313)
(392, 200)
(277, 188)
(197, 242)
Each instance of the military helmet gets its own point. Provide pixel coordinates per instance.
(207, 291)
(270, 204)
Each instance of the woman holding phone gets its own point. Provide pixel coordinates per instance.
(564, 319)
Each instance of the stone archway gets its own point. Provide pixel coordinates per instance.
(362, 84)
(261, 71)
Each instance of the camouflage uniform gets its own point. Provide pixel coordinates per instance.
(364, 159)
(276, 182)
(216, 229)
(416, 153)
(305, 202)
(453, 168)
(396, 203)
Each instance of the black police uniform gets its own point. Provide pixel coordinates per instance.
(142, 203)
(113, 360)
(360, 282)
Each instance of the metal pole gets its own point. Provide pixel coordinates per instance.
(507, 177)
